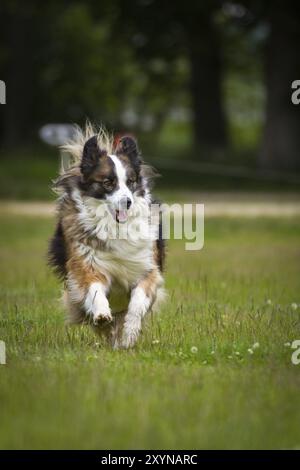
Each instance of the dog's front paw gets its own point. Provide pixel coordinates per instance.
(132, 328)
(102, 318)
(96, 304)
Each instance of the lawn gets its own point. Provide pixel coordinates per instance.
(212, 370)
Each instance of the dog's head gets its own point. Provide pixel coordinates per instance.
(115, 178)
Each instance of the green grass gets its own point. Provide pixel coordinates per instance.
(26, 173)
(62, 388)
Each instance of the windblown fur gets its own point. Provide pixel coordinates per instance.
(112, 278)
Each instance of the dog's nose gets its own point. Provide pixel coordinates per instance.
(125, 202)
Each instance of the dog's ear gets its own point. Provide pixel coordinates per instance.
(127, 145)
(90, 156)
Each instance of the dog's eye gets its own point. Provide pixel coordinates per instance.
(131, 181)
(108, 184)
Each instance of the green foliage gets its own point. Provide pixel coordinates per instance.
(91, 70)
(27, 173)
(125, 66)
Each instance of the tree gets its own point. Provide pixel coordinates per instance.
(206, 75)
(169, 30)
(25, 46)
(281, 141)
(72, 60)
(61, 63)
(18, 70)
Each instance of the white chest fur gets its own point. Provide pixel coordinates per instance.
(121, 262)
(123, 259)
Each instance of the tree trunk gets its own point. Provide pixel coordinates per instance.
(209, 123)
(19, 81)
(281, 140)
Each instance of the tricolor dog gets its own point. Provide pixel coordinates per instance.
(110, 261)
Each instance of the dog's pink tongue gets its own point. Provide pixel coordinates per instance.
(122, 215)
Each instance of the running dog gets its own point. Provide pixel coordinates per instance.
(112, 275)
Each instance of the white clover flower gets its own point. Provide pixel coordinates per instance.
(255, 345)
(250, 351)
(155, 341)
(269, 302)
(212, 352)
(237, 353)
(294, 306)
(194, 349)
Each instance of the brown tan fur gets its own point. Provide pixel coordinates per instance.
(79, 272)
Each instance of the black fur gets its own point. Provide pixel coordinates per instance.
(57, 254)
(90, 156)
(127, 145)
(161, 246)
(160, 242)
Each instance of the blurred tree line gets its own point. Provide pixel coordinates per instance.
(134, 64)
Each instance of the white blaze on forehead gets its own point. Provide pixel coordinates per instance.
(123, 191)
(120, 169)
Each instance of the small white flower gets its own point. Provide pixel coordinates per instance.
(294, 306)
(97, 345)
(287, 345)
(155, 341)
(237, 353)
(269, 302)
(194, 349)
(212, 352)
(250, 351)
(255, 345)
(229, 357)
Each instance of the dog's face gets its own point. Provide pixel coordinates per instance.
(115, 179)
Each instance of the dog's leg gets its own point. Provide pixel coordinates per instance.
(112, 332)
(89, 287)
(104, 330)
(116, 333)
(96, 303)
(141, 300)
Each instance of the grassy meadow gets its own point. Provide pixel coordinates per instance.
(212, 370)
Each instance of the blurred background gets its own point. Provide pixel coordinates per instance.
(205, 86)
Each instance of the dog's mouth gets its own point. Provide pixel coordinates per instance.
(121, 216)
